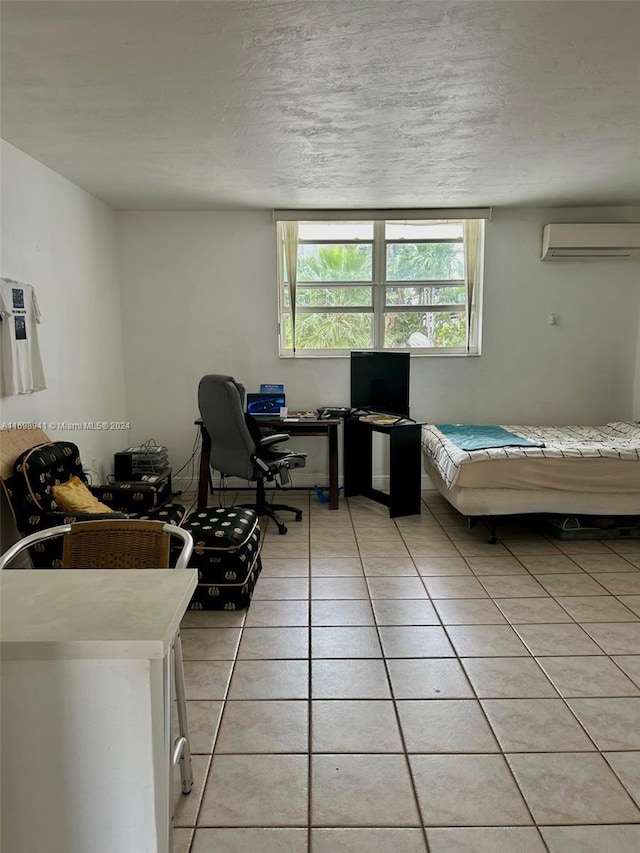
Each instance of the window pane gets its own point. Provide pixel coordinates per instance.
(334, 263)
(431, 230)
(331, 331)
(335, 231)
(333, 296)
(430, 329)
(425, 261)
(428, 295)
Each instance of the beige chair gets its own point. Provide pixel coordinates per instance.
(126, 544)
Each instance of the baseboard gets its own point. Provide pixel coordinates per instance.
(298, 481)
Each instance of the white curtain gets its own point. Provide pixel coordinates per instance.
(473, 231)
(288, 234)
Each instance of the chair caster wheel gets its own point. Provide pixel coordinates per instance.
(298, 516)
(282, 529)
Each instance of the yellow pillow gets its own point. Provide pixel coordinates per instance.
(74, 496)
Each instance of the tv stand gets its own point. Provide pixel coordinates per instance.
(405, 470)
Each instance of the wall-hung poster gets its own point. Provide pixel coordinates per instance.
(22, 370)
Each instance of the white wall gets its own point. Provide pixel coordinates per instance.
(62, 240)
(199, 296)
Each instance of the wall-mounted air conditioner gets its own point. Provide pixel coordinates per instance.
(591, 241)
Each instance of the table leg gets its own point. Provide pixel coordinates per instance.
(203, 475)
(333, 466)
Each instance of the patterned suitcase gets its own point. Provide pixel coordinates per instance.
(227, 555)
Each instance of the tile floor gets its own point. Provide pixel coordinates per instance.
(402, 685)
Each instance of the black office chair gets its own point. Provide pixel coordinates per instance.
(238, 448)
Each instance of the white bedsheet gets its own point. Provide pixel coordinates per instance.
(615, 440)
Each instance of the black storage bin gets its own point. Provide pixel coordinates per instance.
(227, 555)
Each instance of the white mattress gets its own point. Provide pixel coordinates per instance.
(574, 458)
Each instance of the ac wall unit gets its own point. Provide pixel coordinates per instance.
(590, 241)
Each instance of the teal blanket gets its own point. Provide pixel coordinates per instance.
(472, 437)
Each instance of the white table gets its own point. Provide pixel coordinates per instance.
(86, 708)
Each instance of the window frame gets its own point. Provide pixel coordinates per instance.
(379, 283)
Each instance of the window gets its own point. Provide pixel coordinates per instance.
(379, 284)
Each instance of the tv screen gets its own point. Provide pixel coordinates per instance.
(380, 382)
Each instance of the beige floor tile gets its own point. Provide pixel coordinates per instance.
(428, 678)
(612, 723)
(203, 719)
(213, 619)
(572, 788)
(508, 678)
(632, 602)
(557, 640)
(450, 725)
(627, 547)
(571, 584)
(535, 725)
(442, 566)
(185, 806)
(619, 583)
(587, 676)
(531, 547)
(468, 611)
(550, 565)
(209, 643)
(454, 587)
(396, 588)
(415, 641)
(402, 611)
(388, 566)
(592, 839)
(626, 766)
(286, 567)
(325, 612)
(256, 790)
(264, 726)
(381, 548)
(616, 638)
(513, 586)
(339, 587)
(270, 679)
(596, 608)
(362, 790)
(486, 641)
(277, 613)
(182, 839)
(261, 643)
(588, 546)
(368, 841)
(281, 546)
(524, 611)
(328, 567)
(602, 562)
(206, 679)
(250, 841)
(349, 679)
(355, 726)
(467, 790)
(484, 839)
(345, 642)
(334, 548)
(480, 547)
(631, 665)
(280, 589)
(508, 565)
(433, 548)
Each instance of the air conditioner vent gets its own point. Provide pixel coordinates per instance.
(591, 241)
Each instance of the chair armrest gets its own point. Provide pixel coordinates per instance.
(53, 519)
(268, 440)
(127, 497)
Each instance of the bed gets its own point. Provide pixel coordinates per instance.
(577, 470)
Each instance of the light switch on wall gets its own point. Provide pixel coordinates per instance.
(554, 319)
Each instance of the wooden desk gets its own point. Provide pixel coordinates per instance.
(302, 427)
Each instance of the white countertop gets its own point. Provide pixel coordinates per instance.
(91, 613)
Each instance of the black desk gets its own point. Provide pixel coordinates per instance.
(301, 427)
(405, 469)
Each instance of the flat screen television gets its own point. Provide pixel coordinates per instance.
(380, 382)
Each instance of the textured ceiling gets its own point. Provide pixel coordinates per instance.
(391, 103)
